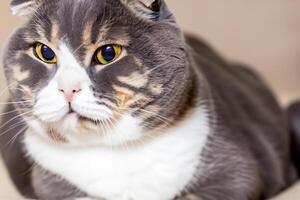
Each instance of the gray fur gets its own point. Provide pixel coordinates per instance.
(247, 156)
(51, 187)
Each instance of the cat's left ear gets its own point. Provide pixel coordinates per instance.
(23, 7)
(152, 5)
(151, 9)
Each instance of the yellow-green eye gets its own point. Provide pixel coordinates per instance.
(44, 53)
(108, 54)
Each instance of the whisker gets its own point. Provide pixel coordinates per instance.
(29, 170)
(6, 113)
(150, 112)
(160, 117)
(22, 123)
(20, 115)
(110, 97)
(124, 143)
(153, 69)
(81, 45)
(13, 139)
(99, 123)
(7, 87)
(146, 138)
(113, 127)
(16, 102)
(39, 17)
(108, 134)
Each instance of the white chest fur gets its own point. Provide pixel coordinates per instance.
(156, 171)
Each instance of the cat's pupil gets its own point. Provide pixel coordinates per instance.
(47, 53)
(108, 53)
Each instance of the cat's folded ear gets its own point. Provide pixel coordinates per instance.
(151, 9)
(23, 7)
(152, 5)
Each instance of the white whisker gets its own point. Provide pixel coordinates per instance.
(16, 102)
(20, 115)
(7, 88)
(22, 123)
(13, 139)
(6, 113)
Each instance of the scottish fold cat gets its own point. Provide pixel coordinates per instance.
(110, 100)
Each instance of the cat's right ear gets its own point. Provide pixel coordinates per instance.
(23, 7)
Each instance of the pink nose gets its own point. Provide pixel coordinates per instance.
(69, 93)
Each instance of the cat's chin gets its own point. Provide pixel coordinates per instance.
(78, 131)
(70, 121)
(72, 125)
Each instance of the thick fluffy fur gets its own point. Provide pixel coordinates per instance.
(168, 120)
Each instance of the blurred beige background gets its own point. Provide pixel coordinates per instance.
(262, 33)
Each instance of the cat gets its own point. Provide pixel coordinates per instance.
(110, 100)
(294, 116)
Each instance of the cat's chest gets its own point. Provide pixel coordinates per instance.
(156, 171)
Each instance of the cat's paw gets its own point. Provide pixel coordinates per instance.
(189, 197)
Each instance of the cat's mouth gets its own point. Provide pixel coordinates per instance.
(73, 113)
(80, 117)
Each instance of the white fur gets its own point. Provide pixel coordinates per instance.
(52, 107)
(51, 104)
(158, 170)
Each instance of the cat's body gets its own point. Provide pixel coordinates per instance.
(218, 133)
(157, 170)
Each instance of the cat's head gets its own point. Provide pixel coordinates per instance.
(97, 71)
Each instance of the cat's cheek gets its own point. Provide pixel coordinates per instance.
(37, 126)
(50, 105)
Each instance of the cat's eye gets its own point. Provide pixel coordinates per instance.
(44, 53)
(108, 54)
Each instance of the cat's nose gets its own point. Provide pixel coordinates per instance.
(69, 93)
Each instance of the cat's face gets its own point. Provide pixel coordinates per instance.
(97, 71)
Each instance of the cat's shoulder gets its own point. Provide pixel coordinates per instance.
(214, 64)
